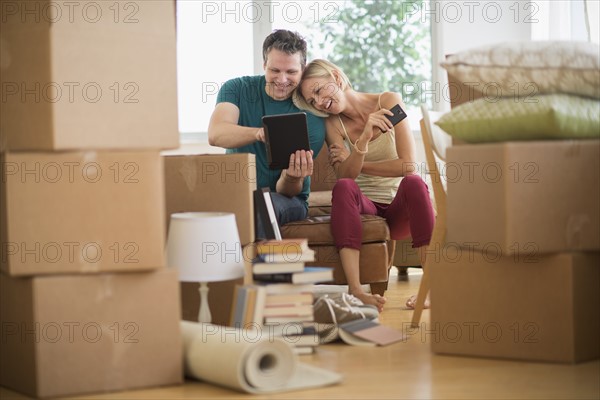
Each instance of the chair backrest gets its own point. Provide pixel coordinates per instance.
(435, 141)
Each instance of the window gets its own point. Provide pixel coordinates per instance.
(565, 20)
(381, 45)
(214, 44)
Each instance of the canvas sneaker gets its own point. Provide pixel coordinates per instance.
(330, 310)
(348, 300)
(339, 308)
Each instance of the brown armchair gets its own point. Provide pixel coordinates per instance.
(377, 251)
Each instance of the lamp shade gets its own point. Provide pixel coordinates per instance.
(205, 247)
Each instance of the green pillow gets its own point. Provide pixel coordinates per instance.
(555, 116)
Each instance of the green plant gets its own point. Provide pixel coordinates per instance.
(380, 45)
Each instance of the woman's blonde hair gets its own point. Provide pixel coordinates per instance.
(319, 68)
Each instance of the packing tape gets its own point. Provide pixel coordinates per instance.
(189, 172)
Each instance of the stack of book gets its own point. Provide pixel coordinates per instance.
(288, 283)
(248, 306)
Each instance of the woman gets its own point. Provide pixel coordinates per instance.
(374, 162)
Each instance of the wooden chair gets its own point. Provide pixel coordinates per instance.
(435, 142)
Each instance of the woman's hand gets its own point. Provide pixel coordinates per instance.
(337, 153)
(377, 122)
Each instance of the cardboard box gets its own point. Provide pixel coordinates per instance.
(74, 334)
(88, 75)
(405, 255)
(220, 300)
(79, 212)
(540, 309)
(524, 197)
(213, 182)
(220, 294)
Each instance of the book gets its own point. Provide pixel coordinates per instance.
(307, 255)
(303, 350)
(259, 267)
(307, 338)
(248, 306)
(365, 331)
(288, 320)
(281, 246)
(259, 306)
(293, 311)
(284, 135)
(277, 329)
(293, 299)
(309, 275)
(285, 288)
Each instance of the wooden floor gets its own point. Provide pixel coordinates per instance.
(408, 370)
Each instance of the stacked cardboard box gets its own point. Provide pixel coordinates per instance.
(212, 182)
(518, 275)
(88, 101)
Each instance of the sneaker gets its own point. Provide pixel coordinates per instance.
(327, 332)
(328, 310)
(333, 309)
(350, 301)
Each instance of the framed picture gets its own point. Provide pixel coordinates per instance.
(267, 226)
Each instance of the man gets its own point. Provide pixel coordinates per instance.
(236, 122)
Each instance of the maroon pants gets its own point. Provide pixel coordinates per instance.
(409, 214)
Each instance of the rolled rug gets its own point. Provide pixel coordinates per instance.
(247, 361)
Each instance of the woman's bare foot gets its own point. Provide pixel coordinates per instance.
(372, 299)
(412, 302)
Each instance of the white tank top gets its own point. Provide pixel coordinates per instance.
(377, 188)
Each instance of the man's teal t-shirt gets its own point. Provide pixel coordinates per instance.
(248, 94)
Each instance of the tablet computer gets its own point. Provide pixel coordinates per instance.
(284, 134)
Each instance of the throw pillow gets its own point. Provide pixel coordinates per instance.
(521, 69)
(556, 116)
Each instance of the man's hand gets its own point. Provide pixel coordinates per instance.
(301, 164)
(224, 131)
(260, 135)
(291, 180)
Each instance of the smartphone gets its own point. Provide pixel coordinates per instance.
(398, 116)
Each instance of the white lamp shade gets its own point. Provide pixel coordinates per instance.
(205, 247)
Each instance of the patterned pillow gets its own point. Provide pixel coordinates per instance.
(555, 116)
(521, 69)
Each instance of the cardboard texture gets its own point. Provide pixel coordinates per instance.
(213, 182)
(524, 197)
(81, 212)
(220, 300)
(88, 75)
(405, 255)
(74, 334)
(529, 308)
(220, 294)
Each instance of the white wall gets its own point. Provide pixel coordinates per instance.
(484, 22)
(459, 25)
